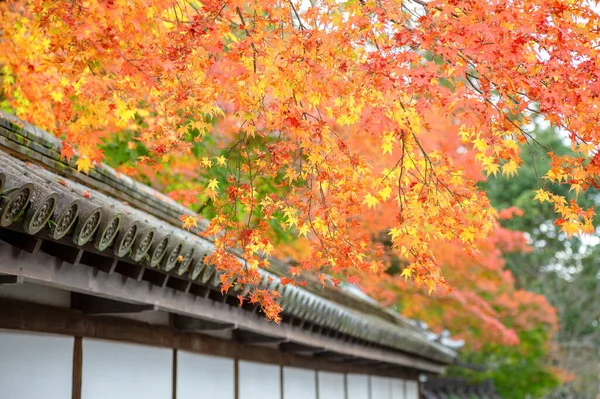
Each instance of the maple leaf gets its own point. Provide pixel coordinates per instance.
(286, 281)
(571, 228)
(375, 267)
(542, 195)
(189, 222)
(303, 230)
(385, 193)
(509, 168)
(83, 164)
(213, 184)
(353, 280)
(394, 233)
(370, 200)
(67, 151)
(221, 161)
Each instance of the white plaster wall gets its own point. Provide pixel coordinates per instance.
(381, 387)
(412, 390)
(358, 386)
(34, 366)
(258, 381)
(299, 383)
(331, 385)
(114, 370)
(202, 376)
(398, 389)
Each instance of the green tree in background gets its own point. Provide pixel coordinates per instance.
(564, 270)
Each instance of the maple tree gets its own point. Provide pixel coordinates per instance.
(324, 120)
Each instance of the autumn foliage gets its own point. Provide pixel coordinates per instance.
(328, 122)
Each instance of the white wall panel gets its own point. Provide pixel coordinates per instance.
(358, 386)
(398, 389)
(331, 385)
(35, 366)
(202, 376)
(381, 387)
(258, 381)
(412, 390)
(299, 383)
(124, 371)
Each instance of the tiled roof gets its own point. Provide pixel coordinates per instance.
(456, 388)
(42, 194)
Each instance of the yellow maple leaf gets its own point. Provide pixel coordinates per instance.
(491, 169)
(571, 228)
(303, 230)
(206, 162)
(83, 165)
(385, 193)
(542, 195)
(510, 168)
(57, 95)
(480, 144)
(213, 184)
(370, 200)
(468, 235)
(394, 233)
(406, 273)
(290, 214)
(221, 160)
(388, 143)
(374, 267)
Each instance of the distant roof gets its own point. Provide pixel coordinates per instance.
(457, 388)
(126, 219)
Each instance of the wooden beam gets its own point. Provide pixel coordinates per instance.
(99, 262)
(94, 305)
(154, 277)
(253, 338)
(189, 324)
(10, 280)
(179, 284)
(365, 362)
(130, 270)
(63, 252)
(294, 347)
(333, 356)
(24, 241)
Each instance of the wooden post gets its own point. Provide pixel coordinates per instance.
(174, 368)
(236, 378)
(77, 368)
(280, 381)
